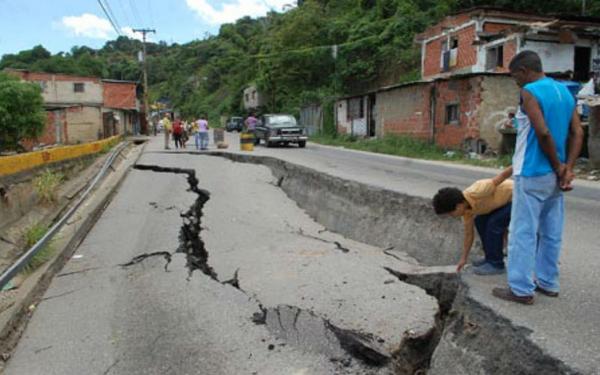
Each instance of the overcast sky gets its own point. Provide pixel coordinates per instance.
(60, 24)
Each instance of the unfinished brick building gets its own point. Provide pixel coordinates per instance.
(466, 93)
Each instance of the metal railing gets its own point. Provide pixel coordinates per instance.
(12, 271)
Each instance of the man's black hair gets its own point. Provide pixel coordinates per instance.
(526, 59)
(446, 200)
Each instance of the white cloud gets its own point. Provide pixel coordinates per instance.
(128, 32)
(89, 25)
(235, 9)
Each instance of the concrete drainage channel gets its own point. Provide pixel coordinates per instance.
(467, 336)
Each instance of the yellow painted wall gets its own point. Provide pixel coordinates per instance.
(23, 162)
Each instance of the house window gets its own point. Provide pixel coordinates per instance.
(452, 114)
(449, 56)
(78, 87)
(247, 97)
(494, 58)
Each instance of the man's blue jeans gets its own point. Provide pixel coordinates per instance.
(535, 234)
(491, 229)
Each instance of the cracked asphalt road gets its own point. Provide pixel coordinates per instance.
(142, 319)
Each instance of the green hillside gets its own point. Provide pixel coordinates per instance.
(288, 55)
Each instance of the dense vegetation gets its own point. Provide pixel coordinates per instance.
(21, 111)
(288, 55)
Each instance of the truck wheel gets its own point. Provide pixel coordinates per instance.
(302, 144)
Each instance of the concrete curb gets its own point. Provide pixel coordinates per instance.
(13, 321)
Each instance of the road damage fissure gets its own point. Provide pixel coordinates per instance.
(190, 241)
(345, 345)
(467, 337)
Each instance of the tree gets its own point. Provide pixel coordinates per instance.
(21, 111)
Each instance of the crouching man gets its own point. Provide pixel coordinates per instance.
(485, 205)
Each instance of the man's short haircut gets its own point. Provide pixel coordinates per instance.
(446, 200)
(526, 59)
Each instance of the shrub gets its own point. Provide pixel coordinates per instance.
(47, 184)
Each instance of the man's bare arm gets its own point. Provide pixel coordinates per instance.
(534, 112)
(502, 176)
(467, 244)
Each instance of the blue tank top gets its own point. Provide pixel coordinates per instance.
(557, 105)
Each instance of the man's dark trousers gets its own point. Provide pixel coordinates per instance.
(491, 228)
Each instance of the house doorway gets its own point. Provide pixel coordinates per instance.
(371, 131)
(581, 71)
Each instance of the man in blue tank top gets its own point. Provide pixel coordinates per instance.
(549, 140)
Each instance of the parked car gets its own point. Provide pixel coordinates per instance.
(280, 129)
(234, 124)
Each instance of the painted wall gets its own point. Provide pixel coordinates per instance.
(499, 96)
(84, 124)
(555, 57)
(343, 125)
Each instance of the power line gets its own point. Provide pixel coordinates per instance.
(111, 13)
(109, 18)
(124, 12)
(135, 12)
(151, 13)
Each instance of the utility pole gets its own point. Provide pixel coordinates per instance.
(145, 68)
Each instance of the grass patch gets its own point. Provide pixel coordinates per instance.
(46, 185)
(408, 147)
(33, 235)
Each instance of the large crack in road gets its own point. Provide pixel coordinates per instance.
(467, 336)
(305, 330)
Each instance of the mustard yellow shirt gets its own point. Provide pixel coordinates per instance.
(484, 197)
(167, 124)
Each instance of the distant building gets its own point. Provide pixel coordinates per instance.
(465, 93)
(83, 109)
(253, 99)
(120, 107)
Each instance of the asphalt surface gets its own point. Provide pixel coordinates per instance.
(568, 327)
(101, 318)
(142, 319)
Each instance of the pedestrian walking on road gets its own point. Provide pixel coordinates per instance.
(549, 139)
(203, 132)
(194, 132)
(178, 133)
(167, 129)
(486, 206)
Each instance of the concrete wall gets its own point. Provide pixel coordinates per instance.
(62, 91)
(499, 96)
(84, 124)
(405, 110)
(343, 125)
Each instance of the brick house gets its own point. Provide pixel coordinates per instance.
(486, 39)
(77, 107)
(466, 93)
(120, 107)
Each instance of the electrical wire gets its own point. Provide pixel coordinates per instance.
(112, 14)
(135, 12)
(117, 30)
